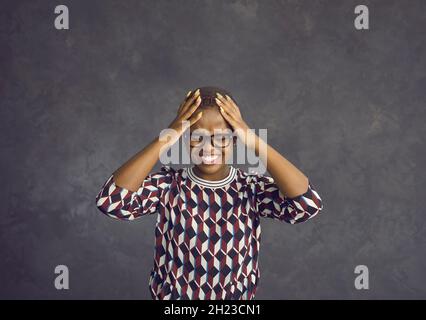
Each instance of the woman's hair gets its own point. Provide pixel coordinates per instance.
(208, 95)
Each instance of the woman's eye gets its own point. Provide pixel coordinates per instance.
(221, 139)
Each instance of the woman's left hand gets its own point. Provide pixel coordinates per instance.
(231, 113)
(289, 179)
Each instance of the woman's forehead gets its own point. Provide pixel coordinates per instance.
(211, 121)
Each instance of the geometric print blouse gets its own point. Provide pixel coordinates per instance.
(207, 234)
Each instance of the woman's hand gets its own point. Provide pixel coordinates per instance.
(186, 115)
(290, 180)
(231, 113)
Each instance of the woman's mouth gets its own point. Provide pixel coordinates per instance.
(211, 158)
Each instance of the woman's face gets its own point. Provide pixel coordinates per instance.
(210, 141)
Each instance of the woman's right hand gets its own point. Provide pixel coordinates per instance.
(186, 115)
(132, 173)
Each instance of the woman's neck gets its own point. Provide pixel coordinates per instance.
(218, 175)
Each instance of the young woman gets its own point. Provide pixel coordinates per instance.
(208, 223)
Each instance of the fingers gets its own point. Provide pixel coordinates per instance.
(222, 102)
(233, 108)
(233, 104)
(183, 102)
(190, 98)
(227, 108)
(186, 113)
(189, 122)
(195, 117)
(228, 117)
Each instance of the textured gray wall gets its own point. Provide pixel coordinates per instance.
(347, 107)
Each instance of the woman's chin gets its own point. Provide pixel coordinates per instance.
(210, 167)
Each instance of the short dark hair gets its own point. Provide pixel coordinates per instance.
(208, 95)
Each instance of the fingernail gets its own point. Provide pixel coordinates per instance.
(189, 92)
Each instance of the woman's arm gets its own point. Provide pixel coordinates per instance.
(290, 180)
(131, 192)
(132, 173)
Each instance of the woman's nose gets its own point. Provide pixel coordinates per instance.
(209, 148)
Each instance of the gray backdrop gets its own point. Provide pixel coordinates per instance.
(345, 106)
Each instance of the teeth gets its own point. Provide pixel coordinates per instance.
(210, 158)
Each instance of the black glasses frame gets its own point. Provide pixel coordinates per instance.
(231, 137)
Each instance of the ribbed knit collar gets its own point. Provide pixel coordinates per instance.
(212, 183)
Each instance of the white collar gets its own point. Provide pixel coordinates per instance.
(212, 183)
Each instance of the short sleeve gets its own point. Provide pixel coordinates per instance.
(121, 203)
(271, 203)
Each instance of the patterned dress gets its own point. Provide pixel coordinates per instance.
(207, 234)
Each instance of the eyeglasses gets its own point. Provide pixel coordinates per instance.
(219, 140)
